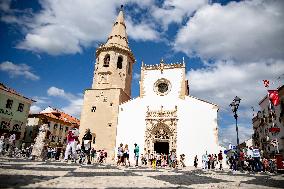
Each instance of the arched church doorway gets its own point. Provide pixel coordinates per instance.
(161, 147)
(161, 131)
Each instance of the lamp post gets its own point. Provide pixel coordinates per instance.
(234, 106)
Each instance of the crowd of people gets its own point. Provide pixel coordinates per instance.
(162, 159)
(7, 144)
(251, 160)
(84, 153)
(211, 161)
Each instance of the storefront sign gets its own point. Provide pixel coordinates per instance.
(6, 112)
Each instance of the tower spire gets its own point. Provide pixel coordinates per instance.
(118, 34)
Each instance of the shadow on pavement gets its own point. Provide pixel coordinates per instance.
(17, 181)
(187, 179)
(266, 181)
(39, 168)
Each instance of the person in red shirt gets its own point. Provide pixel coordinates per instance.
(220, 159)
(242, 159)
(72, 138)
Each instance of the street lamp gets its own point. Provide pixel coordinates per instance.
(234, 106)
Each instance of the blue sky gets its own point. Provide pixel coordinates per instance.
(47, 49)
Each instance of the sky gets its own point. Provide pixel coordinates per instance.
(47, 49)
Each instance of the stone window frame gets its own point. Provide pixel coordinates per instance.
(94, 108)
(106, 63)
(21, 107)
(9, 103)
(158, 82)
(119, 62)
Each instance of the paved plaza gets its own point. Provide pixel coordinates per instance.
(20, 173)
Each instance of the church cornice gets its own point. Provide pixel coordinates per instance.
(115, 47)
(162, 66)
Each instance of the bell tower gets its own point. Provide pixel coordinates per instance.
(111, 87)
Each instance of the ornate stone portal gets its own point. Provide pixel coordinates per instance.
(161, 127)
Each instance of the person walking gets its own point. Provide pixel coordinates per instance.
(220, 159)
(204, 161)
(195, 161)
(72, 138)
(126, 155)
(136, 153)
(86, 144)
(2, 138)
(119, 154)
(93, 155)
(182, 160)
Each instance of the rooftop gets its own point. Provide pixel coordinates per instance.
(59, 115)
(13, 91)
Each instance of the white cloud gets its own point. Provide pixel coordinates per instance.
(229, 135)
(62, 27)
(221, 82)
(74, 108)
(5, 5)
(41, 100)
(16, 70)
(75, 102)
(243, 31)
(175, 11)
(141, 31)
(35, 109)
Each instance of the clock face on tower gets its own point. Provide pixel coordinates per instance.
(162, 87)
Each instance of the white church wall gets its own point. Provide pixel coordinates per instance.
(173, 75)
(131, 125)
(196, 129)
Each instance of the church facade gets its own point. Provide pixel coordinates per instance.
(163, 118)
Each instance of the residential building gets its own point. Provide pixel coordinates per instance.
(58, 122)
(14, 111)
(268, 125)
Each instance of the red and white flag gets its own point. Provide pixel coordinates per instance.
(274, 97)
(266, 83)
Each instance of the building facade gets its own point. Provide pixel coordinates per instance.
(163, 118)
(14, 111)
(166, 118)
(268, 125)
(58, 122)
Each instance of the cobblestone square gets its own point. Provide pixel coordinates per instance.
(20, 173)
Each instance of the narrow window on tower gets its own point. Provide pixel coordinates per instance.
(106, 60)
(119, 62)
(93, 108)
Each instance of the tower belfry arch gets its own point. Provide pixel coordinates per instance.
(161, 130)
